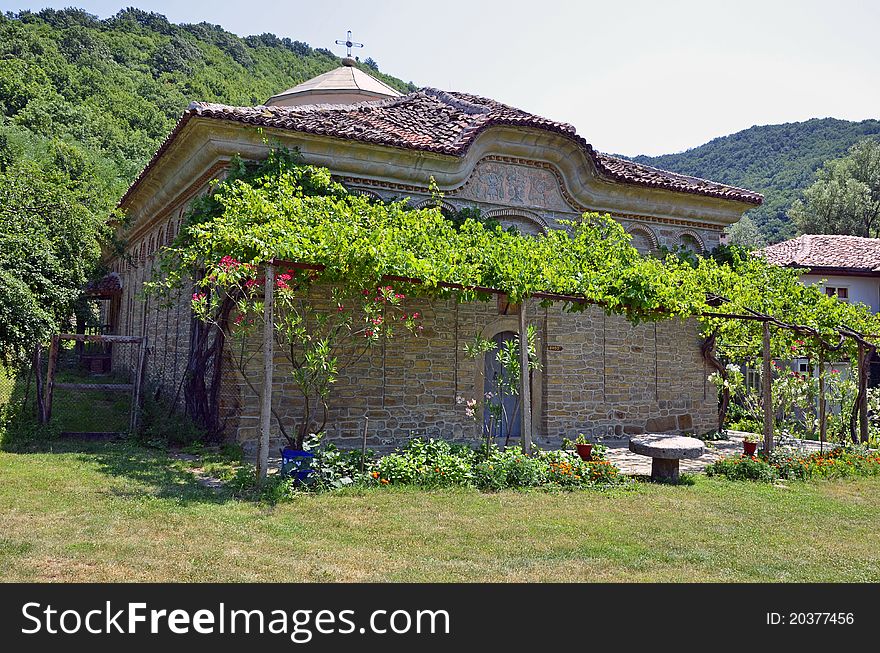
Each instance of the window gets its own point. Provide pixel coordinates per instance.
(753, 378)
(842, 292)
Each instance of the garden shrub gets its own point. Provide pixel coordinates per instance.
(798, 465)
(335, 468)
(162, 425)
(20, 431)
(430, 463)
(508, 468)
(743, 468)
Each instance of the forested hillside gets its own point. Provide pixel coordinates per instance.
(777, 160)
(107, 92)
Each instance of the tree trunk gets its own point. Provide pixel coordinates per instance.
(708, 351)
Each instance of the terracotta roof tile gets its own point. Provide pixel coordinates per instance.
(826, 251)
(443, 122)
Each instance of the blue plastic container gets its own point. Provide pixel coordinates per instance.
(296, 463)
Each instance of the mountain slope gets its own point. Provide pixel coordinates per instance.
(777, 160)
(110, 90)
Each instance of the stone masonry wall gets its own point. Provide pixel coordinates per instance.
(600, 376)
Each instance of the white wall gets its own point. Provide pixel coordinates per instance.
(861, 289)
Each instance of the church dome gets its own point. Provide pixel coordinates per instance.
(344, 85)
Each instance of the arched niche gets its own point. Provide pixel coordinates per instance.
(526, 222)
(691, 240)
(643, 239)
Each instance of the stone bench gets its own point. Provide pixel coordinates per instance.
(665, 452)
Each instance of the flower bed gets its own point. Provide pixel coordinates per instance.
(436, 463)
(792, 464)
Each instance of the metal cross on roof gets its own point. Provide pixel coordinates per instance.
(348, 43)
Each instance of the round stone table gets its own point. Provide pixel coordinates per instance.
(665, 452)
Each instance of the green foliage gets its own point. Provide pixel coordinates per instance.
(50, 236)
(777, 160)
(745, 234)
(429, 463)
(743, 468)
(798, 465)
(436, 463)
(162, 426)
(845, 198)
(20, 430)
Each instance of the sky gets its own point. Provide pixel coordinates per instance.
(635, 77)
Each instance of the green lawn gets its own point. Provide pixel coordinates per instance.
(99, 512)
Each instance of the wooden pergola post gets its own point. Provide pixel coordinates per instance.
(767, 389)
(268, 373)
(526, 386)
(823, 427)
(863, 392)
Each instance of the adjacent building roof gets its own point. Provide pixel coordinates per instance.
(827, 251)
(346, 84)
(443, 122)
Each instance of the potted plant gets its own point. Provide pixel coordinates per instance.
(584, 448)
(750, 444)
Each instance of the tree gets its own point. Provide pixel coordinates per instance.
(49, 243)
(845, 199)
(745, 234)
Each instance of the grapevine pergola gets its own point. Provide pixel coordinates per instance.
(279, 215)
(865, 344)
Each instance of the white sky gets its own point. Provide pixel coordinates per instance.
(634, 77)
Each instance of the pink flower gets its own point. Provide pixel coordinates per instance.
(340, 308)
(229, 263)
(416, 315)
(198, 296)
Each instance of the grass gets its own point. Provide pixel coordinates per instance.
(117, 512)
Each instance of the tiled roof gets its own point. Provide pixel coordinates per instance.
(446, 123)
(826, 251)
(109, 284)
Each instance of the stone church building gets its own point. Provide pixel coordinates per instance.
(599, 374)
